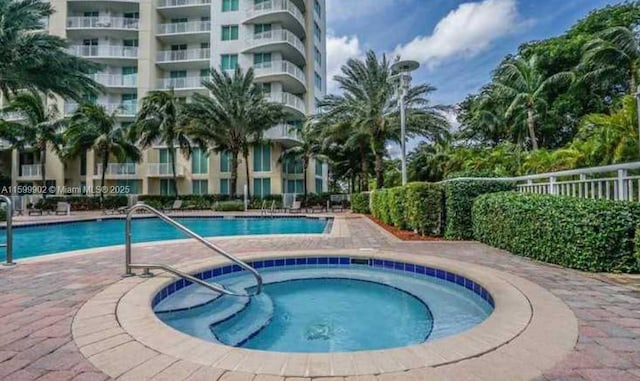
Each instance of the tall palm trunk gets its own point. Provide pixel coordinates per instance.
(531, 124)
(379, 167)
(245, 155)
(43, 167)
(305, 166)
(234, 174)
(364, 169)
(105, 164)
(172, 161)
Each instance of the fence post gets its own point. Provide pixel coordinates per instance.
(552, 185)
(622, 189)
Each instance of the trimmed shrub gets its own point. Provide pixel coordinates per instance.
(396, 202)
(229, 206)
(383, 206)
(3, 214)
(360, 202)
(83, 202)
(375, 204)
(459, 196)
(424, 207)
(637, 248)
(590, 235)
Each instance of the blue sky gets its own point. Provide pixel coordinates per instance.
(458, 42)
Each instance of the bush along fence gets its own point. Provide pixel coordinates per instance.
(585, 234)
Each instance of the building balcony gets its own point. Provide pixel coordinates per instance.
(127, 110)
(184, 8)
(284, 41)
(109, 53)
(184, 59)
(182, 3)
(12, 116)
(30, 171)
(289, 74)
(164, 170)
(118, 171)
(292, 103)
(185, 31)
(116, 80)
(283, 12)
(102, 22)
(285, 134)
(187, 83)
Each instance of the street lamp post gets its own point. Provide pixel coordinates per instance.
(403, 70)
(638, 111)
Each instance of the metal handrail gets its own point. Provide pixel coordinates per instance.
(9, 245)
(184, 229)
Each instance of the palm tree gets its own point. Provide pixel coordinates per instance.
(428, 162)
(158, 121)
(232, 116)
(614, 50)
(520, 81)
(309, 147)
(32, 59)
(370, 103)
(40, 126)
(92, 127)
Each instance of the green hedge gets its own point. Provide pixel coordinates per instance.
(424, 208)
(459, 197)
(3, 214)
(360, 202)
(590, 235)
(229, 206)
(380, 205)
(79, 203)
(397, 208)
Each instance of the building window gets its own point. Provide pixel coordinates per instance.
(178, 74)
(129, 186)
(199, 187)
(319, 186)
(318, 167)
(318, 56)
(83, 163)
(262, 187)
(130, 43)
(261, 59)
(229, 32)
(261, 28)
(316, 31)
(317, 8)
(318, 81)
(224, 186)
(294, 167)
(199, 161)
(295, 186)
(230, 5)
(225, 161)
(228, 61)
(167, 187)
(265, 87)
(262, 158)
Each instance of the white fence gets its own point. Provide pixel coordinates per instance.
(613, 182)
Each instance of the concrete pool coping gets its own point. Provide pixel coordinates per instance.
(528, 332)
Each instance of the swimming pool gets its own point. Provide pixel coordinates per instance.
(327, 304)
(31, 241)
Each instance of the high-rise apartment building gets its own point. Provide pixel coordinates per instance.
(149, 45)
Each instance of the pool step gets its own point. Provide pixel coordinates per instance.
(241, 327)
(186, 299)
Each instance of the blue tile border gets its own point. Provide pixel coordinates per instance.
(320, 261)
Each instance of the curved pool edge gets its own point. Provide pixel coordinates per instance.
(529, 327)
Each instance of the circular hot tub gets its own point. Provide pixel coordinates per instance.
(326, 304)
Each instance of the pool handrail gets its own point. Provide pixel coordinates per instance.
(9, 244)
(187, 231)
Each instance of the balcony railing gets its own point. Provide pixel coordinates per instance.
(163, 169)
(13, 115)
(181, 83)
(117, 169)
(185, 27)
(182, 3)
(279, 67)
(116, 80)
(31, 170)
(102, 22)
(111, 51)
(121, 109)
(289, 100)
(276, 36)
(183, 55)
(283, 131)
(276, 6)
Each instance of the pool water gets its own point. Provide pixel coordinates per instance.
(38, 240)
(325, 308)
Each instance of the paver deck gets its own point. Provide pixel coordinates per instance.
(39, 298)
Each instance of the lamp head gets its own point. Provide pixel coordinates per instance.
(405, 66)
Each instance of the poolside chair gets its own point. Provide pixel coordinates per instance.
(177, 205)
(119, 210)
(18, 210)
(63, 208)
(296, 207)
(336, 202)
(35, 211)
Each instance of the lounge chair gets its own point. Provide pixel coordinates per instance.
(296, 207)
(35, 211)
(18, 210)
(119, 210)
(177, 205)
(63, 208)
(336, 202)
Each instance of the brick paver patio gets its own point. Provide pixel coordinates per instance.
(38, 300)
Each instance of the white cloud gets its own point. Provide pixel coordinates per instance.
(465, 31)
(339, 50)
